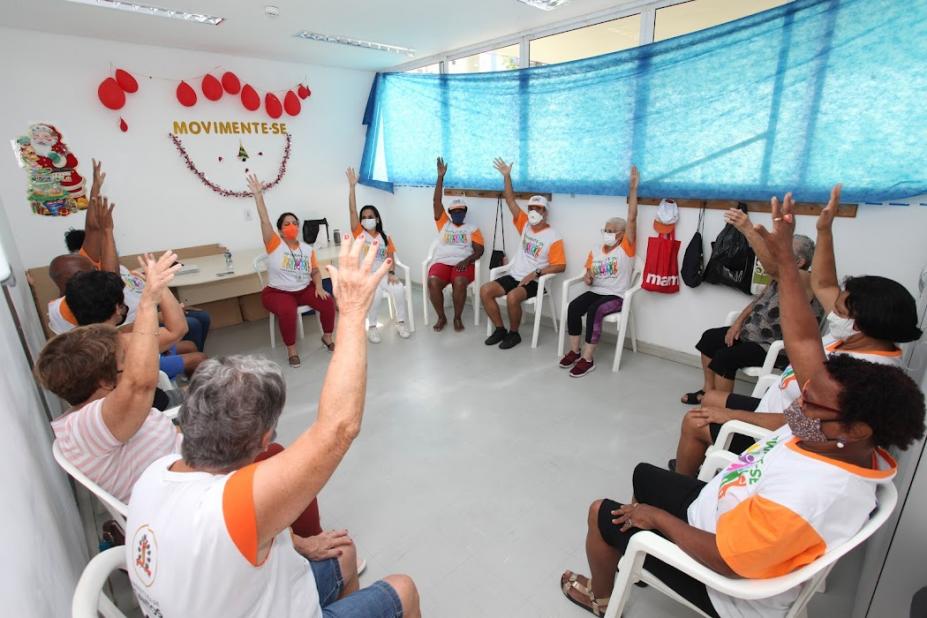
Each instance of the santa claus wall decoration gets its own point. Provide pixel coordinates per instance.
(54, 187)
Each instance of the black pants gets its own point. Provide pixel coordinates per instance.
(725, 361)
(673, 493)
(586, 303)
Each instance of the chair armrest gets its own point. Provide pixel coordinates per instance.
(498, 271)
(715, 460)
(728, 429)
(567, 284)
(87, 593)
(763, 384)
(771, 355)
(544, 280)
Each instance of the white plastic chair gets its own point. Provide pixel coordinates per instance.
(537, 302)
(771, 355)
(624, 319)
(89, 600)
(472, 288)
(734, 427)
(810, 577)
(260, 265)
(407, 281)
(764, 383)
(117, 508)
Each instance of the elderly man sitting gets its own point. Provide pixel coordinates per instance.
(207, 531)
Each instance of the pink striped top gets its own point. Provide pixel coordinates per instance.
(86, 441)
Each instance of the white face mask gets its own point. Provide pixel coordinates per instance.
(534, 217)
(369, 224)
(609, 239)
(841, 328)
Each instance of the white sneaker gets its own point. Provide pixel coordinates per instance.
(402, 330)
(373, 335)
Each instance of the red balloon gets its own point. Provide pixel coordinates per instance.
(230, 83)
(126, 81)
(302, 91)
(272, 105)
(186, 94)
(211, 87)
(123, 126)
(291, 103)
(250, 98)
(111, 95)
(308, 93)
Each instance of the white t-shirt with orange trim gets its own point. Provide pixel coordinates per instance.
(61, 319)
(383, 251)
(289, 270)
(455, 242)
(538, 249)
(192, 550)
(612, 268)
(778, 508)
(780, 396)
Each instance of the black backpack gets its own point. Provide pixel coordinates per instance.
(693, 263)
(731, 261)
(497, 258)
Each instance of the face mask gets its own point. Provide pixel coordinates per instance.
(841, 328)
(534, 217)
(458, 216)
(609, 239)
(369, 224)
(804, 428)
(290, 231)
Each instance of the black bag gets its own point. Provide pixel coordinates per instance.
(731, 261)
(693, 261)
(311, 229)
(497, 258)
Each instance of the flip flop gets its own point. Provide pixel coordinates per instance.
(693, 399)
(569, 581)
(330, 346)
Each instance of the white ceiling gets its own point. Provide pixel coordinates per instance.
(428, 26)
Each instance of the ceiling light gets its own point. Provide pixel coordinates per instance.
(343, 40)
(544, 5)
(155, 11)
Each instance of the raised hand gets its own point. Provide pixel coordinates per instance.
(634, 178)
(826, 218)
(98, 177)
(779, 241)
(255, 185)
(352, 177)
(442, 167)
(737, 218)
(353, 283)
(106, 213)
(158, 273)
(504, 168)
(94, 219)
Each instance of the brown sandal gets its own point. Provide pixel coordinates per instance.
(569, 581)
(330, 346)
(294, 361)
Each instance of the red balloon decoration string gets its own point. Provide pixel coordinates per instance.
(229, 192)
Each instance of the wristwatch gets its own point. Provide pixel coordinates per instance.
(538, 273)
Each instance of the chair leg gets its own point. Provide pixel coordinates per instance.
(538, 309)
(318, 318)
(624, 583)
(299, 323)
(619, 344)
(273, 331)
(476, 304)
(409, 308)
(632, 324)
(389, 304)
(553, 313)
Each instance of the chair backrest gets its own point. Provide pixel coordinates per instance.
(117, 508)
(88, 600)
(257, 264)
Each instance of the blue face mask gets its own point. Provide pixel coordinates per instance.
(458, 216)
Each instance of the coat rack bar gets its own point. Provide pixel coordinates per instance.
(519, 195)
(801, 208)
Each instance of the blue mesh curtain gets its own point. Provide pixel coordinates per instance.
(795, 98)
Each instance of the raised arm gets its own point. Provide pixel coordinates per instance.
(439, 189)
(506, 170)
(267, 230)
(741, 221)
(631, 231)
(127, 406)
(824, 266)
(799, 326)
(92, 246)
(284, 485)
(352, 198)
(175, 321)
(109, 257)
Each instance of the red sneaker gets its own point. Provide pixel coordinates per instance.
(581, 368)
(569, 360)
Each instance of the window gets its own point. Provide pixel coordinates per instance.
(431, 68)
(700, 14)
(502, 59)
(604, 38)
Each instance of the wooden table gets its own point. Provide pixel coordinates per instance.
(210, 283)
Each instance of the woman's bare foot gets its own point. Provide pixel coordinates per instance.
(458, 325)
(440, 324)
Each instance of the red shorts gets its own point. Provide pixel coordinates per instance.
(448, 273)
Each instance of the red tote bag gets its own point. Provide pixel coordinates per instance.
(661, 269)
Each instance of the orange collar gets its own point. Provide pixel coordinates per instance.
(869, 473)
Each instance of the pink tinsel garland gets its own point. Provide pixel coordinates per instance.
(227, 192)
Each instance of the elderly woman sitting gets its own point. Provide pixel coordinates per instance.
(609, 267)
(214, 519)
(787, 499)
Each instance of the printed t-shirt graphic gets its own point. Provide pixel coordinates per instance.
(289, 270)
(537, 250)
(455, 241)
(383, 250)
(611, 268)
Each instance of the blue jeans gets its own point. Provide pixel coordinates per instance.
(197, 328)
(378, 600)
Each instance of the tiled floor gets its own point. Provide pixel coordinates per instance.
(475, 466)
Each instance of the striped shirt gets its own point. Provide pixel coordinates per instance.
(86, 442)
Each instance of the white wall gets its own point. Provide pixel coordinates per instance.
(51, 78)
(881, 240)
(40, 528)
